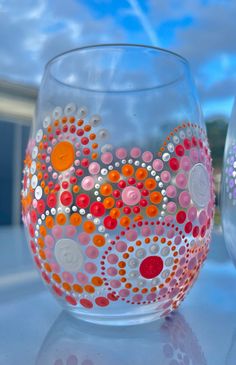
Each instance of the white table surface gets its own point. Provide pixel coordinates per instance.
(34, 330)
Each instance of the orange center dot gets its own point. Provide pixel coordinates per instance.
(62, 156)
(114, 176)
(106, 189)
(156, 197)
(127, 170)
(150, 184)
(141, 173)
(99, 240)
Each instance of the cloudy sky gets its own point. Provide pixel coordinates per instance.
(203, 31)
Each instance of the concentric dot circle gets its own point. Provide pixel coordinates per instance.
(69, 255)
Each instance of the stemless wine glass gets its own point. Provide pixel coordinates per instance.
(117, 193)
(228, 188)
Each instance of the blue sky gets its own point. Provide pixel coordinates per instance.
(203, 31)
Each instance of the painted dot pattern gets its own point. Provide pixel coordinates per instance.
(109, 224)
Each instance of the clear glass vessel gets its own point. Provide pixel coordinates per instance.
(117, 192)
(228, 188)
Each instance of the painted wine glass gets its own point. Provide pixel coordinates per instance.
(228, 188)
(117, 190)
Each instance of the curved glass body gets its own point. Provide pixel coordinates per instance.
(117, 195)
(228, 188)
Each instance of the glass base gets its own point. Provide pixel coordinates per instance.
(117, 320)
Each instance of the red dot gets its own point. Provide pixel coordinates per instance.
(31, 230)
(33, 216)
(71, 300)
(139, 185)
(102, 301)
(143, 202)
(188, 227)
(86, 303)
(116, 193)
(119, 204)
(57, 290)
(84, 140)
(112, 297)
(83, 201)
(110, 223)
(65, 184)
(72, 129)
(131, 181)
(174, 164)
(187, 143)
(203, 231)
(179, 150)
(45, 277)
(127, 210)
(66, 198)
(136, 210)
(80, 132)
(97, 209)
(181, 216)
(151, 267)
(122, 184)
(79, 172)
(37, 261)
(195, 231)
(41, 206)
(84, 162)
(86, 151)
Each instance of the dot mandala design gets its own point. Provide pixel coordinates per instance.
(230, 173)
(113, 224)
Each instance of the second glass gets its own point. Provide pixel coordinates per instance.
(117, 192)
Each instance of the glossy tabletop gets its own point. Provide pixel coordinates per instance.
(34, 330)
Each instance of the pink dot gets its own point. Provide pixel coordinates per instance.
(192, 263)
(171, 233)
(184, 199)
(83, 238)
(147, 156)
(185, 163)
(135, 152)
(177, 240)
(131, 235)
(202, 217)
(111, 271)
(192, 214)
(131, 195)
(112, 258)
(157, 165)
(70, 231)
(137, 297)
(171, 207)
(68, 277)
(57, 231)
(121, 153)
(90, 267)
(94, 168)
(194, 154)
(151, 297)
(168, 219)
(160, 230)
(49, 241)
(165, 176)
(87, 183)
(121, 246)
(92, 252)
(48, 253)
(82, 278)
(115, 284)
(123, 293)
(55, 267)
(181, 181)
(171, 191)
(146, 231)
(107, 158)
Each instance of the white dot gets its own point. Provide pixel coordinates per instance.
(38, 192)
(69, 255)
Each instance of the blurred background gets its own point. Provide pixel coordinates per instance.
(32, 32)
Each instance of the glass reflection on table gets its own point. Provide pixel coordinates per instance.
(170, 341)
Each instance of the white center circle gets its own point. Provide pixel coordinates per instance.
(199, 185)
(69, 255)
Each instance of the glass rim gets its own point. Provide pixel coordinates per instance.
(128, 45)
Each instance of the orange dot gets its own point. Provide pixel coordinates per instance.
(127, 170)
(61, 219)
(155, 197)
(99, 240)
(97, 281)
(40, 175)
(94, 146)
(106, 189)
(72, 119)
(56, 278)
(115, 213)
(108, 203)
(125, 221)
(89, 289)
(89, 227)
(75, 189)
(141, 173)
(94, 156)
(77, 288)
(64, 120)
(122, 272)
(66, 286)
(42, 231)
(92, 136)
(56, 123)
(62, 156)
(138, 218)
(151, 211)
(47, 267)
(150, 184)
(122, 264)
(75, 219)
(87, 128)
(46, 190)
(80, 122)
(114, 176)
(49, 222)
(41, 242)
